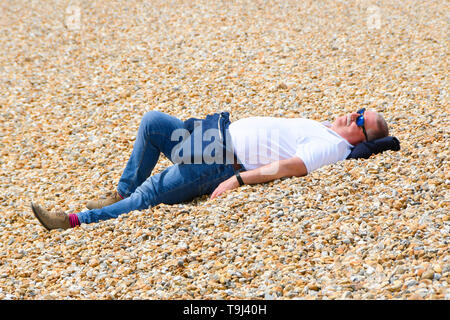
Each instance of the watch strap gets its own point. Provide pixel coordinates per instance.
(239, 179)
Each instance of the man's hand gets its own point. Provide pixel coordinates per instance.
(229, 184)
(292, 167)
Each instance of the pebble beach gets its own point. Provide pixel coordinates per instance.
(76, 77)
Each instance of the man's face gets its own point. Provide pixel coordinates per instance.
(347, 127)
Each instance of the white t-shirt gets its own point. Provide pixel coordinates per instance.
(258, 141)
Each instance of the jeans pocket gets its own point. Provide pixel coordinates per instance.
(212, 182)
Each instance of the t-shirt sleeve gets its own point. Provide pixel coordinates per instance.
(316, 154)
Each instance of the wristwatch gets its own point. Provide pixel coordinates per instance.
(239, 179)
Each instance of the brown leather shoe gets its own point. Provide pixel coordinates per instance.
(97, 204)
(51, 220)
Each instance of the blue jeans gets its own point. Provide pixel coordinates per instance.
(178, 183)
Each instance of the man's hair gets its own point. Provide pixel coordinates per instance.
(381, 131)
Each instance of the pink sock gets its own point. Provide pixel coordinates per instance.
(73, 220)
(119, 194)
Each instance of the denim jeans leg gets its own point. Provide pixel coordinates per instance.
(178, 183)
(153, 137)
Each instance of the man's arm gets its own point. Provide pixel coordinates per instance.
(292, 167)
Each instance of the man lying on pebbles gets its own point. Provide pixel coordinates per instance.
(214, 155)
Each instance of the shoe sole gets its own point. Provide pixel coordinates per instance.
(35, 212)
(92, 207)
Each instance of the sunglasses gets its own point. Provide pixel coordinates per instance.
(360, 121)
